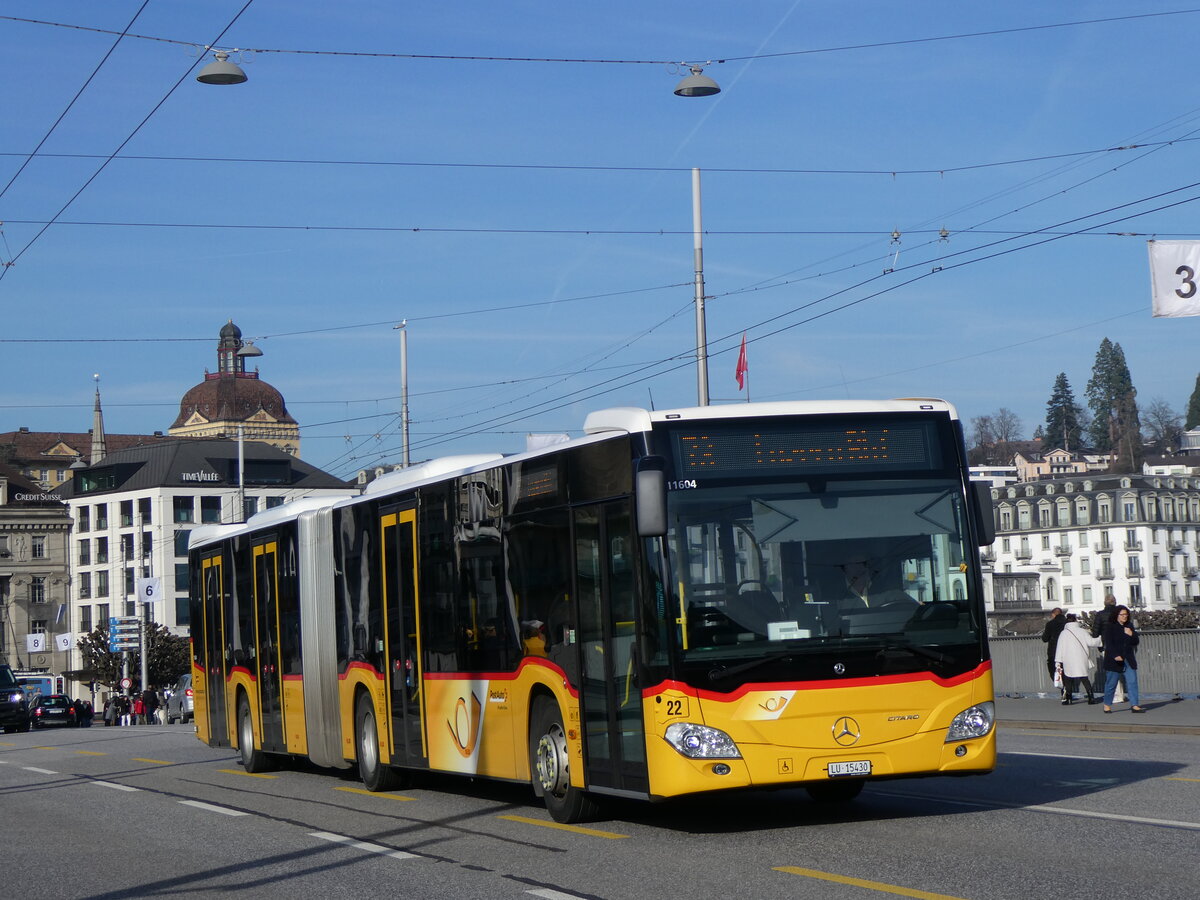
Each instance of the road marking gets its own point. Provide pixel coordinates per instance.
(225, 811)
(1178, 778)
(1063, 756)
(550, 894)
(7, 744)
(870, 885)
(350, 790)
(157, 762)
(39, 771)
(90, 753)
(113, 784)
(362, 845)
(592, 832)
(234, 772)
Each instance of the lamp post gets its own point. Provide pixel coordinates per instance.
(698, 257)
(403, 329)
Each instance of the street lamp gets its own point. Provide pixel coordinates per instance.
(697, 84)
(221, 71)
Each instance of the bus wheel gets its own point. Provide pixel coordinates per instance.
(253, 761)
(374, 774)
(549, 767)
(834, 791)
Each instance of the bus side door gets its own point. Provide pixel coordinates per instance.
(610, 690)
(209, 694)
(269, 665)
(398, 531)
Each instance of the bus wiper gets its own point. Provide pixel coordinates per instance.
(716, 673)
(917, 650)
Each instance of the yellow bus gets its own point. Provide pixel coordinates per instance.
(759, 595)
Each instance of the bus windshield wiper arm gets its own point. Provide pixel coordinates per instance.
(917, 650)
(718, 672)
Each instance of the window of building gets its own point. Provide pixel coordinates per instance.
(101, 515)
(181, 577)
(1067, 596)
(1085, 566)
(1135, 595)
(85, 584)
(1006, 520)
(210, 510)
(101, 550)
(126, 513)
(102, 613)
(147, 544)
(1006, 545)
(1023, 519)
(1044, 516)
(83, 518)
(183, 509)
(126, 547)
(1087, 596)
(85, 619)
(1082, 515)
(1104, 511)
(1045, 542)
(1051, 590)
(249, 507)
(37, 589)
(129, 573)
(183, 614)
(273, 502)
(1130, 511)
(181, 541)
(144, 507)
(37, 546)
(1066, 564)
(37, 626)
(85, 552)
(101, 584)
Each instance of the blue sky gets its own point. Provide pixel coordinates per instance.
(532, 219)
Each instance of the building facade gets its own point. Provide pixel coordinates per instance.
(34, 574)
(1068, 542)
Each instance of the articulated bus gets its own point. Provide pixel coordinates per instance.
(761, 595)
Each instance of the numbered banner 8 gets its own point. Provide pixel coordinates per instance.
(1175, 278)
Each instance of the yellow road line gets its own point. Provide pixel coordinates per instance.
(247, 774)
(592, 832)
(383, 796)
(90, 753)
(859, 882)
(157, 762)
(1178, 778)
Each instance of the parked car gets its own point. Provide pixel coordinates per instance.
(14, 705)
(179, 704)
(53, 709)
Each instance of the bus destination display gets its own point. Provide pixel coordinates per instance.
(722, 451)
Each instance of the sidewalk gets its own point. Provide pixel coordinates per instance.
(1163, 715)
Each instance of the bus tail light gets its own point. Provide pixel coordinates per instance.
(975, 722)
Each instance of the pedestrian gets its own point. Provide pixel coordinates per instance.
(139, 710)
(149, 700)
(1075, 659)
(1099, 620)
(110, 712)
(1050, 635)
(124, 708)
(1120, 658)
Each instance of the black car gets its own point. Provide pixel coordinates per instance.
(14, 707)
(53, 709)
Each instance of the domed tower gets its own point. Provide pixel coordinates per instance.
(231, 396)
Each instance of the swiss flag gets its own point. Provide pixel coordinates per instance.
(740, 372)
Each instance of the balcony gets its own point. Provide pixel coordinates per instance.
(1178, 547)
(1062, 550)
(1133, 545)
(1161, 572)
(1105, 575)
(1104, 547)
(1024, 555)
(1131, 572)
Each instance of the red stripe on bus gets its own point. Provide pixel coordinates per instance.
(368, 669)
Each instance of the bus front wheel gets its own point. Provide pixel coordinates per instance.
(374, 774)
(549, 766)
(253, 761)
(834, 791)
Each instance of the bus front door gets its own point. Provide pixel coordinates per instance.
(211, 694)
(398, 528)
(610, 693)
(266, 625)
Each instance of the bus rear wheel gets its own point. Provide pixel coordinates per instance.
(549, 767)
(374, 774)
(253, 761)
(834, 791)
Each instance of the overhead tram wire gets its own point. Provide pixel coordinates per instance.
(4, 270)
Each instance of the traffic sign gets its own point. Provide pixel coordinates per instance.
(126, 683)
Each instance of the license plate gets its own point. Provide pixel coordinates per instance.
(854, 767)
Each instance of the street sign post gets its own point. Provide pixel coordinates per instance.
(124, 633)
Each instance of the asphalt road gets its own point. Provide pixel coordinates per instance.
(148, 811)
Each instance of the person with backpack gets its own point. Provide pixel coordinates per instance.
(1074, 659)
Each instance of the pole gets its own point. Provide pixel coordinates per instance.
(402, 328)
(145, 629)
(241, 510)
(701, 337)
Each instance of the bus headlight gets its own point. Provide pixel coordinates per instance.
(975, 722)
(701, 742)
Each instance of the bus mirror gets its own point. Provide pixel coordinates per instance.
(651, 497)
(984, 517)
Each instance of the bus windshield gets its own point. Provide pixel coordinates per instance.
(764, 566)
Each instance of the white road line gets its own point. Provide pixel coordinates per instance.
(362, 845)
(223, 810)
(39, 771)
(550, 894)
(113, 784)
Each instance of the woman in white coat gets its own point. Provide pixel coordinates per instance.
(1075, 657)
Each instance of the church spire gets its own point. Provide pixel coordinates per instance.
(99, 450)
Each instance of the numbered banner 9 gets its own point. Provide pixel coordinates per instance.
(1175, 278)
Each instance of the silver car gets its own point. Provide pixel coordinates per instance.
(179, 704)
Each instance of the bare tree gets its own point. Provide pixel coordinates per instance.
(1162, 425)
(1006, 425)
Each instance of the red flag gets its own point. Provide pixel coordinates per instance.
(740, 372)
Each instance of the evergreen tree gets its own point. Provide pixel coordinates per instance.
(1062, 417)
(1113, 402)
(1193, 408)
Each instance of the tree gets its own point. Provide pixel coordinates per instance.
(1062, 417)
(169, 657)
(1193, 408)
(1163, 425)
(1113, 401)
(983, 438)
(1007, 425)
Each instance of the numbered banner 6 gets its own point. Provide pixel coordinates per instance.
(1175, 278)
